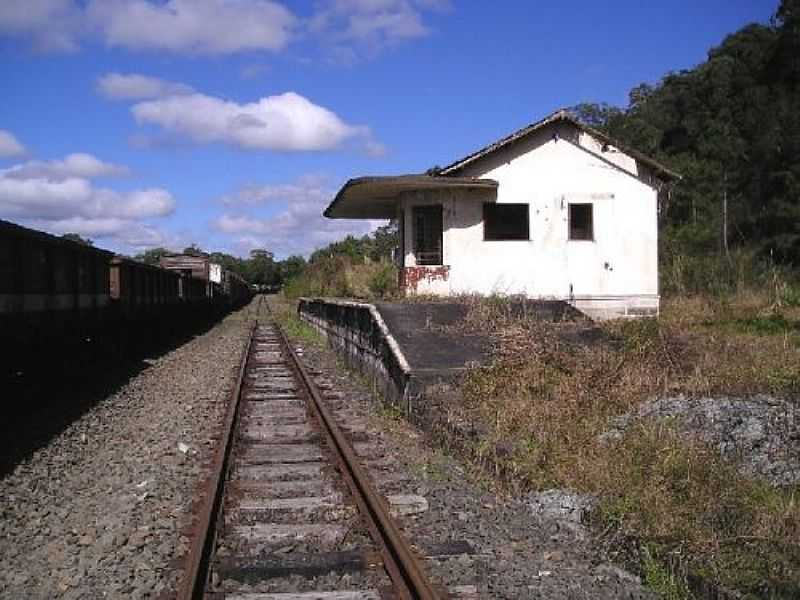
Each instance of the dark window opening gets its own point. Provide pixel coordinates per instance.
(428, 235)
(505, 222)
(581, 226)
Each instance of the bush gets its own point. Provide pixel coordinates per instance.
(383, 282)
(342, 277)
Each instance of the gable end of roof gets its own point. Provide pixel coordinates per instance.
(561, 115)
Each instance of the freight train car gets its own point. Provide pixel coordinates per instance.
(143, 290)
(236, 289)
(61, 297)
(195, 288)
(222, 289)
(50, 289)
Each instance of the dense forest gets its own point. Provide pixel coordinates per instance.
(731, 127)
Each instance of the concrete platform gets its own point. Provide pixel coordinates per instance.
(406, 347)
(420, 332)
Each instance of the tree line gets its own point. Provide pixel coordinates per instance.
(731, 127)
(261, 268)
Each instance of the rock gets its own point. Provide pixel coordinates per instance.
(555, 555)
(560, 505)
(137, 540)
(759, 434)
(610, 571)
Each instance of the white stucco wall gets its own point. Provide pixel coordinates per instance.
(616, 271)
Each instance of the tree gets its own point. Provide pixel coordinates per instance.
(193, 250)
(262, 269)
(74, 237)
(152, 256)
(731, 127)
(292, 267)
(383, 242)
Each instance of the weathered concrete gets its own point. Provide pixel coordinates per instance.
(408, 348)
(359, 334)
(419, 331)
(403, 348)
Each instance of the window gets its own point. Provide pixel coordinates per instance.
(581, 226)
(505, 222)
(428, 234)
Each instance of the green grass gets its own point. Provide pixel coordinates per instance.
(661, 580)
(285, 312)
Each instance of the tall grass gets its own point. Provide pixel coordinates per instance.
(551, 391)
(341, 276)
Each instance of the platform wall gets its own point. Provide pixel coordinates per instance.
(357, 332)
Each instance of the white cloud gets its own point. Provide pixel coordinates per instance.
(297, 228)
(124, 234)
(215, 27)
(373, 24)
(254, 71)
(51, 25)
(139, 87)
(76, 197)
(58, 196)
(314, 189)
(10, 146)
(286, 122)
(79, 165)
(194, 26)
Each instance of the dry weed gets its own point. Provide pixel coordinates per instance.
(547, 397)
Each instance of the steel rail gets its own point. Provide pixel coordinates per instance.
(405, 571)
(195, 576)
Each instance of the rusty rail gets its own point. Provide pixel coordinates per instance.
(196, 574)
(403, 568)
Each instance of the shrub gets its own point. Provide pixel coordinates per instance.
(342, 277)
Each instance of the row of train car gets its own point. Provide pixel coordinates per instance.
(54, 290)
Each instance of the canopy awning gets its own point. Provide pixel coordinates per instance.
(376, 197)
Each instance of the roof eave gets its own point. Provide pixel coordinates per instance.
(401, 184)
(559, 115)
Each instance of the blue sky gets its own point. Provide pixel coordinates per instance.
(232, 123)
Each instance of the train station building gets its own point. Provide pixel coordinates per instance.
(556, 210)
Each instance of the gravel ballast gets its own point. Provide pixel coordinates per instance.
(100, 511)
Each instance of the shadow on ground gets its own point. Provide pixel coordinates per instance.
(41, 396)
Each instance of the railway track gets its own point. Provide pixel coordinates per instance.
(291, 510)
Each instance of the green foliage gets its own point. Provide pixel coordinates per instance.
(660, 580)
(340, 276)
(74, 237)
(731, 127)
(292, 267)
(193, 250)
(773, 324)
(152, 256)
(352, 267)
(376, 247)
(384, 281)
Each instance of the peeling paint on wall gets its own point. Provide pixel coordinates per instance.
(410, 277)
